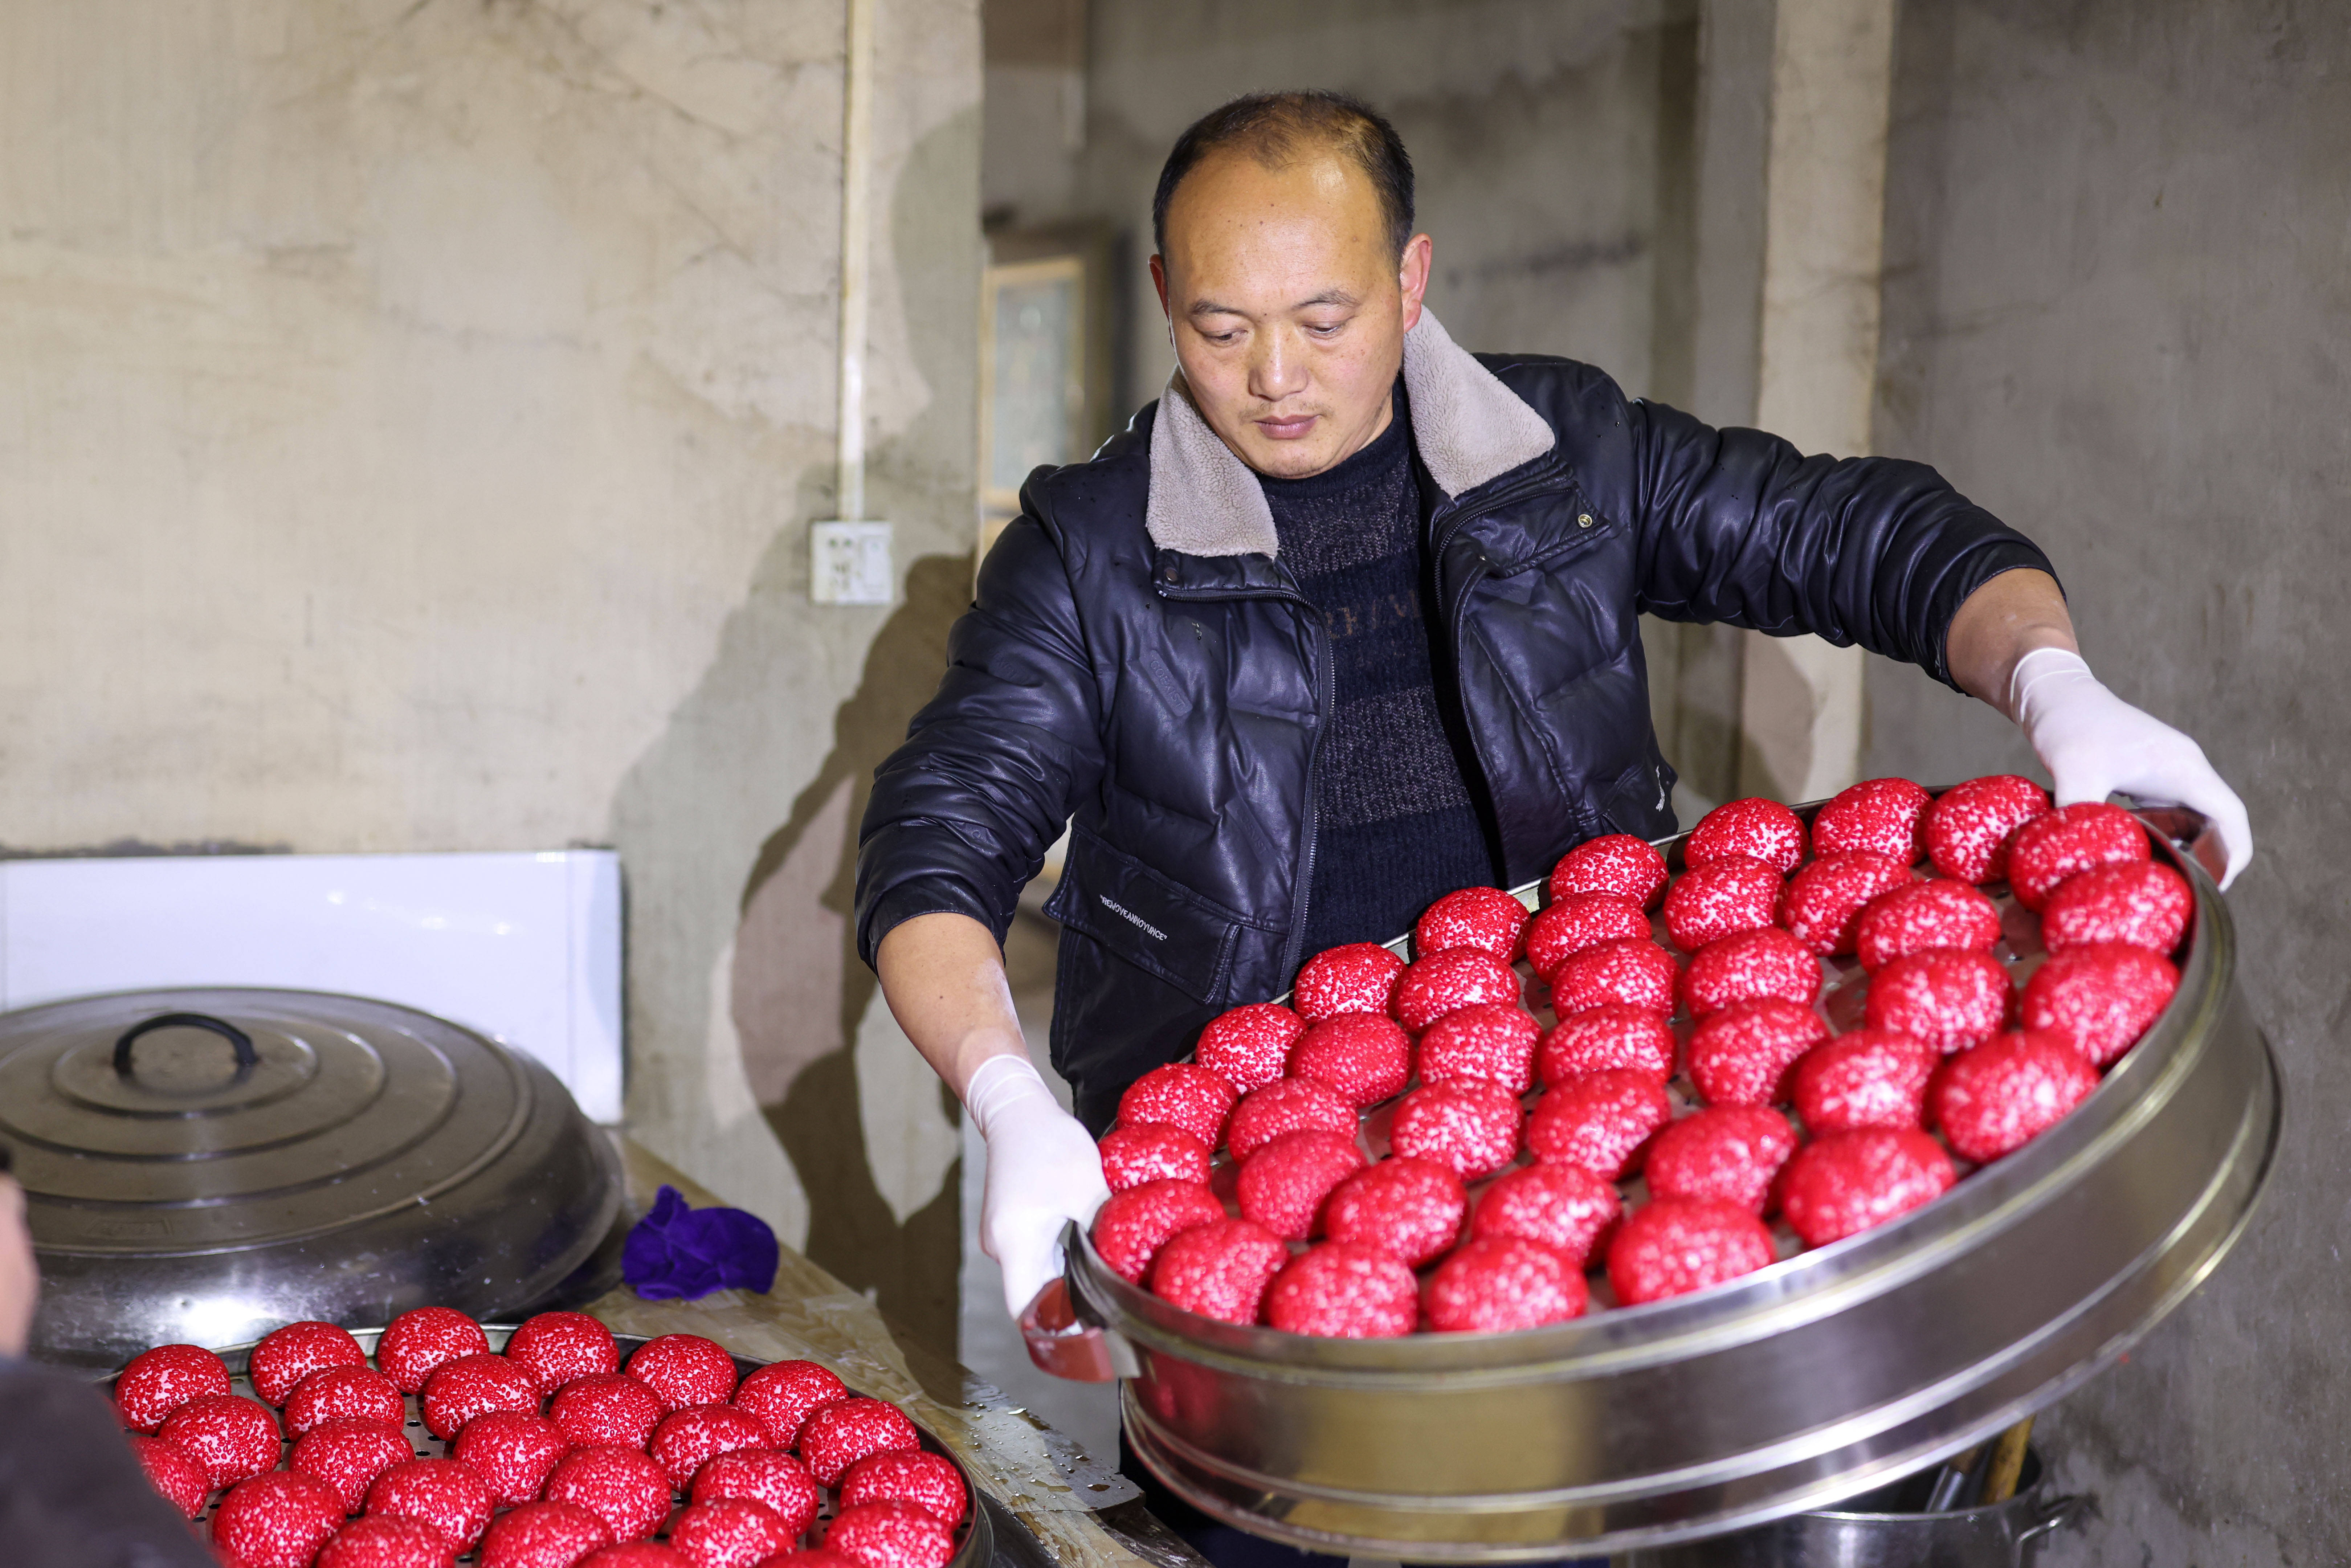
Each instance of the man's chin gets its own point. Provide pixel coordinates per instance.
(1301, 459)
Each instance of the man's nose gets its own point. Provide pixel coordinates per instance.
(1276, 368)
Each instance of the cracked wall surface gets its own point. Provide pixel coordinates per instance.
(411, 413)
(2119, 313)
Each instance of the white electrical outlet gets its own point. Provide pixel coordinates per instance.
(849, 563)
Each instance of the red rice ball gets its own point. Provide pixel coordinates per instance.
(1497, 1284)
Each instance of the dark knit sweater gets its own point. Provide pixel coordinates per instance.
(1394, 824)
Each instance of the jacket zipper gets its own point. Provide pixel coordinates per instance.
(1452, 522)
(1461, 695)
(1294, 945)
(1294, 951)
(1443, 530)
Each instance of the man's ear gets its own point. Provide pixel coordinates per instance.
(1159, 282)
(1412, 276)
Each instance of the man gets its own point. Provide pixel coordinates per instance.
(1348, 619)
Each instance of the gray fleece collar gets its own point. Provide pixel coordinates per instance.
(1469, 427)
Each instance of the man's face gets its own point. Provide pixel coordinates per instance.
(1287, 307)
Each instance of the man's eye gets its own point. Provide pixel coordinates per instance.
(1232, 336)
(1326, 328)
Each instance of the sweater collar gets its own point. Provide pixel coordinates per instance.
(1468, 427)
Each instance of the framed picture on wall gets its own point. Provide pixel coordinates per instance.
(1045, 370)
(1032, 354)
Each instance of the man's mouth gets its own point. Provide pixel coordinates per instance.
(1286, 427)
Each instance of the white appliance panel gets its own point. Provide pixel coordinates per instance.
(524, 948)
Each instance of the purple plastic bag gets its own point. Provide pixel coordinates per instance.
(678, 1253)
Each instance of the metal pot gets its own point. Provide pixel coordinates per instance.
(1806, 1382)
(1876, 1532)
(205, 1165)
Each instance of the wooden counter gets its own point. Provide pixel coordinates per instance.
(1047, 1497)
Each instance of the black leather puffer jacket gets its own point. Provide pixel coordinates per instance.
(1139, 664)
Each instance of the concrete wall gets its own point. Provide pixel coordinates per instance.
(411, 411)
(2118, 312)
(1538, 129)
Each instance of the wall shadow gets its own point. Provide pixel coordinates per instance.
(745, 994)
(852, 1230)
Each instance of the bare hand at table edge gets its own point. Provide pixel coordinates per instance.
(2012, 644)
(943, 976)
(20, 1276)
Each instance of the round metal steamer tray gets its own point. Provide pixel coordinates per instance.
(975, 1550)
(204, 1164)
(1809, 1381)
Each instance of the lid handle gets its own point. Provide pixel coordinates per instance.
(247, 1059)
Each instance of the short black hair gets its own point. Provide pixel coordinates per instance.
(1269, 126)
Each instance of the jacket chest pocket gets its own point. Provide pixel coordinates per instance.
(1153, 922)
(1554, 626)
(1543, 534)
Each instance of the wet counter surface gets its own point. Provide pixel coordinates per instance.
(1049, 1501)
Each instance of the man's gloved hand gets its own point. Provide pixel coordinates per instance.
(2095, 743)
(1043, 1171)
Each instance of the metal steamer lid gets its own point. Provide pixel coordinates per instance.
(186, 1121)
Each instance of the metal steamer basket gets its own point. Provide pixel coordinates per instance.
(975, 1545)
(204, 1164)
(1826, 1373)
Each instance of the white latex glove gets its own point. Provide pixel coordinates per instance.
(2095, 743)
(1043, 1172)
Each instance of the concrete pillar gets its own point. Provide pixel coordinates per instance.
(1734, 143)
(1832, 67)
(1697, 671)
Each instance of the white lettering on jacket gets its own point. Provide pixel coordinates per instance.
(1129, 916)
